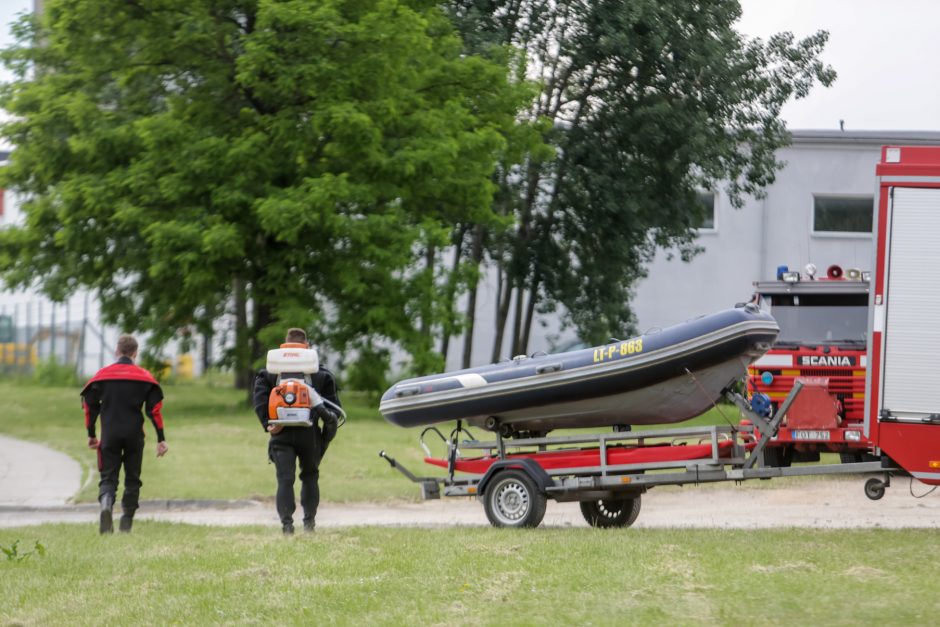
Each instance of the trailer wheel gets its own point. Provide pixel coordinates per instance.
(611, 512)
(513, 500)
(874, 489)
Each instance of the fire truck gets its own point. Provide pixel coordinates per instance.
(902, 415)
(823, 343)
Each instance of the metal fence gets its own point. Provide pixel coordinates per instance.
(35, 331)
(40, 331)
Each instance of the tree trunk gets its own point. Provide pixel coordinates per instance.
(517, 268)
(516, 343)
(428, 307)
(451, 292)
(530, 311)
(263, 316)
(512, 18)
(476, 256)
(523, 330)
(504, 298)
(242, 339)
(206, 352)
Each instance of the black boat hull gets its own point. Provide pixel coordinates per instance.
(663, 377)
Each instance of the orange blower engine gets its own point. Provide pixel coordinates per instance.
(293, 400)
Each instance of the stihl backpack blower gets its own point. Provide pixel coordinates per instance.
(293, 398)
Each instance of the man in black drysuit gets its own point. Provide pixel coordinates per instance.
(306, 444)
(117, 393)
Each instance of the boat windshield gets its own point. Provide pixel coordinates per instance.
(825, 322)
(570, 345)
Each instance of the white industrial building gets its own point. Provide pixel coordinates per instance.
(818, 211)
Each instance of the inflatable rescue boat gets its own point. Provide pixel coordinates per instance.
(664, 376)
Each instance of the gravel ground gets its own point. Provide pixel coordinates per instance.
(36, 484)
(821, 504)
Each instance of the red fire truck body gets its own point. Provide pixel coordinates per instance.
(823, 330)
(902, 414)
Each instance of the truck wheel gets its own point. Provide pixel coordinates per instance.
(513, 500)
(611, 512)
(874, 489)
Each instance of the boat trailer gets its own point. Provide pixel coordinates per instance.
(608, 472)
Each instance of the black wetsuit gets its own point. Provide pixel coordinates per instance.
(304, 444)
(117, 393)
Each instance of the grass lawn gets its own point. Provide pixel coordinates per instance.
(218, 450)
(168, 573)
(217, 447)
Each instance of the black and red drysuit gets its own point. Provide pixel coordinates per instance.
(117, 393)
(304, 444)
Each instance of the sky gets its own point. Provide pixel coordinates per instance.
(884, 52)
(879, 48)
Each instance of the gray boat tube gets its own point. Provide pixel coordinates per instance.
(661, 377)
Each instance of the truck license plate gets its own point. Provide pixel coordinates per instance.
(806, 434)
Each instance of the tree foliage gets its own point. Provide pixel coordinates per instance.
(294, 161)
(650, 102)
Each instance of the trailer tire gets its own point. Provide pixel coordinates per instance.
(874, 489)
(512, 499)
(606, 513)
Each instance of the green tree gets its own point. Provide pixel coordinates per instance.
(290, 162)
(650, 102)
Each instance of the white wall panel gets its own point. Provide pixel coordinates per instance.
(912, 336)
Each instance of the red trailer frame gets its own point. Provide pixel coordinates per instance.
(910, 440)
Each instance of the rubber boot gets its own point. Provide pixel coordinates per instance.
(127, 521)
(105, 522)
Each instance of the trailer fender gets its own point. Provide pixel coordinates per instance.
(541, 478)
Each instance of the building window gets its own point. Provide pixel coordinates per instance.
(842, 214)
(707, 201)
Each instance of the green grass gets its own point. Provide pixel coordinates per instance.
(218, 450)
(217, 447)
(168, 573)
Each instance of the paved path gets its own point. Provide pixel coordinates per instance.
(36, 484)
(32, 475)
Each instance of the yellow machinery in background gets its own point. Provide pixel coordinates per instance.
(18, 355)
